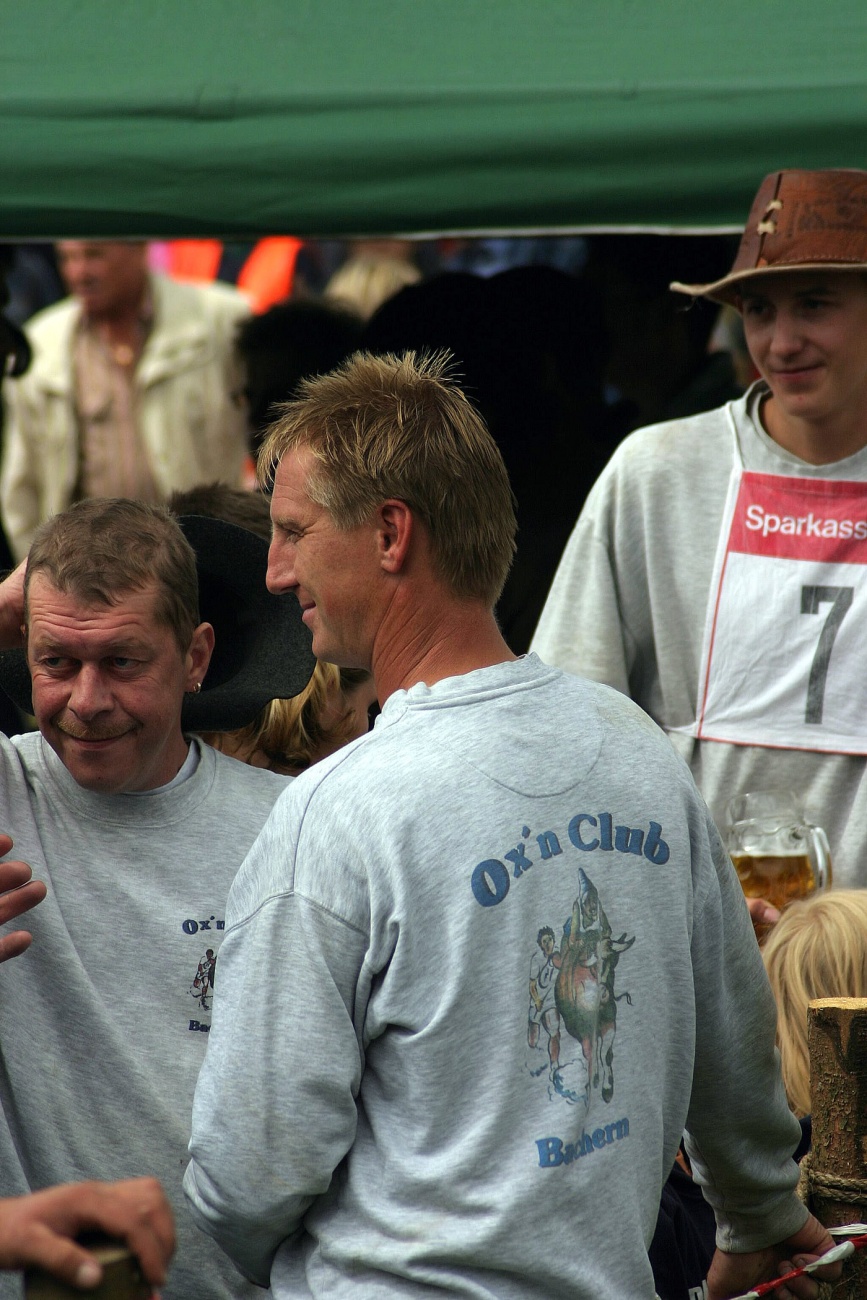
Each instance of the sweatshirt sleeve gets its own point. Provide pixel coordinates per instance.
(274, 1111)
(740, 1131)
(581, 628)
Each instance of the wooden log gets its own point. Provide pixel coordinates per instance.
(837, 1038)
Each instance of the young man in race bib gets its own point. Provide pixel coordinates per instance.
(718, 572)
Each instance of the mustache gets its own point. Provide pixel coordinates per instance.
(77, 731)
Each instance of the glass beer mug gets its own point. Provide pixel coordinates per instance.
(778, 854)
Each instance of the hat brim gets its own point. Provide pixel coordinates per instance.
(262, 650)
(727, 290)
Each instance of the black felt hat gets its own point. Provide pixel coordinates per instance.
(262, 650)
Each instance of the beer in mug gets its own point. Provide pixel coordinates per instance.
(777, 853)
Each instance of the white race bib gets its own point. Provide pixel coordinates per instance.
(783, 660)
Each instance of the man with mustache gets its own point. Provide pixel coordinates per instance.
(137, 832)
(38, 1230)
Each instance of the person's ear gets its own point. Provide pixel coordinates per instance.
(394, 534)
(199, 656)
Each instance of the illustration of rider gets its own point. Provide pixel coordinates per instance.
(203, 984)
(544, 966)
(584, 1002)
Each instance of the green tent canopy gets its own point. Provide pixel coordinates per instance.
(329, 117)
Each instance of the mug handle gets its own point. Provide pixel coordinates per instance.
(821, 854)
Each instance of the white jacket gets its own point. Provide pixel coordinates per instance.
(191, 429)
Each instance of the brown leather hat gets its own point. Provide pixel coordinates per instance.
(799, 221)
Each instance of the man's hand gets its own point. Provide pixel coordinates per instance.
(18, 893)
(12, 609)
(732, 1275)
(763, 915)
(38, 1230)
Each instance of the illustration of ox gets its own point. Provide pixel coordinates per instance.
(584, 991)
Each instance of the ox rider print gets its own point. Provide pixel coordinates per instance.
(573, 1006)
(202, 986)
(203, 934)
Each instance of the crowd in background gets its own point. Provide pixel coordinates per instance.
(564, 344)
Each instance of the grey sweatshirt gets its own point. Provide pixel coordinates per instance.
(389, 1104)
(628, 605)
(103, 1025)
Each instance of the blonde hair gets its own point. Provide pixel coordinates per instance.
(399, 426)
(817, 949)
(292, 734)
(366, 281)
